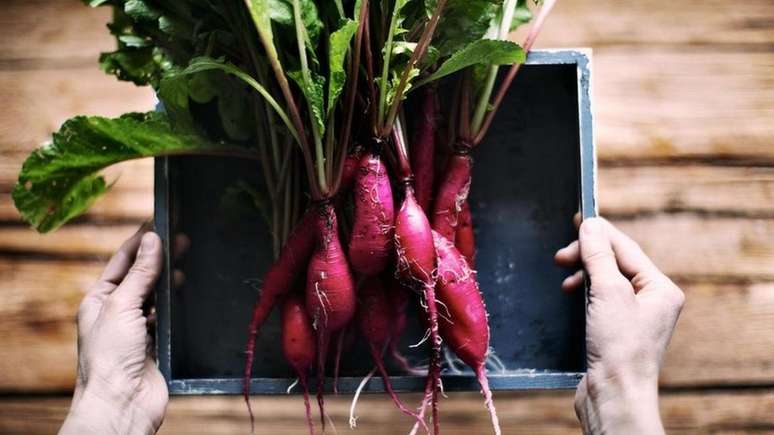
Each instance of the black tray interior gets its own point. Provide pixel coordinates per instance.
(524, 194)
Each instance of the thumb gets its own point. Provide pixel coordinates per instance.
(598, 257)
(143, 274)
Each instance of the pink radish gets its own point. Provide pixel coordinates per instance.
(464, 239)
(416, 265)
(466, 330)
(298, 345)
(423, 149)
(330, 290)
(452, 193)
(371, 244)
(276, 283)
(375, 320)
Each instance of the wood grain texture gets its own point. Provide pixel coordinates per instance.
(686, 245)
(534, 413)
(735, 191)
(652, 103)
(37, 102)
(713, 24)
(69, 240)
(723, 337)
(59, 32)
(40, 300)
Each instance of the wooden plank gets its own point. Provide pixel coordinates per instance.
(40, 300)
(738, 412)
(70, 240)
(661, 104)
(696, 23)
(38, 102)
(703, 189)
(692, 246)
(53, 30)
(724, 330)
(723, 336)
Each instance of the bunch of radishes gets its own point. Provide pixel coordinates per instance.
(410, 232)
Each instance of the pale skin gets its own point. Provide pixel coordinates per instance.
(632, 311)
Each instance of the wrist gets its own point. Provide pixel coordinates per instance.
(625, 404)
(634, 409)
(99, 411)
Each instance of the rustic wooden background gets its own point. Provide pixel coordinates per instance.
(684, 112)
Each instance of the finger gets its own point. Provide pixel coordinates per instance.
(573, 282)
(577, 219)
(598, 256)
(569, 256)
(122, 260)
(143, 274)
(632, 260)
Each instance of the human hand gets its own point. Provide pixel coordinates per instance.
(631, 314)
(119, 389)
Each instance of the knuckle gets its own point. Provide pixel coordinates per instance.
(676, 296)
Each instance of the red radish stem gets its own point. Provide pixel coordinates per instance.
(276, 283)
(371, 245)
(298, 345)
(466, 331)
(464, 238)
(423, 149)
(375, 318)
(452, 193)
(330, 290)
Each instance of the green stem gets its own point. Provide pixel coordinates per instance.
(483, 101)
(416, 56)
(386, 66)
(307, 77)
